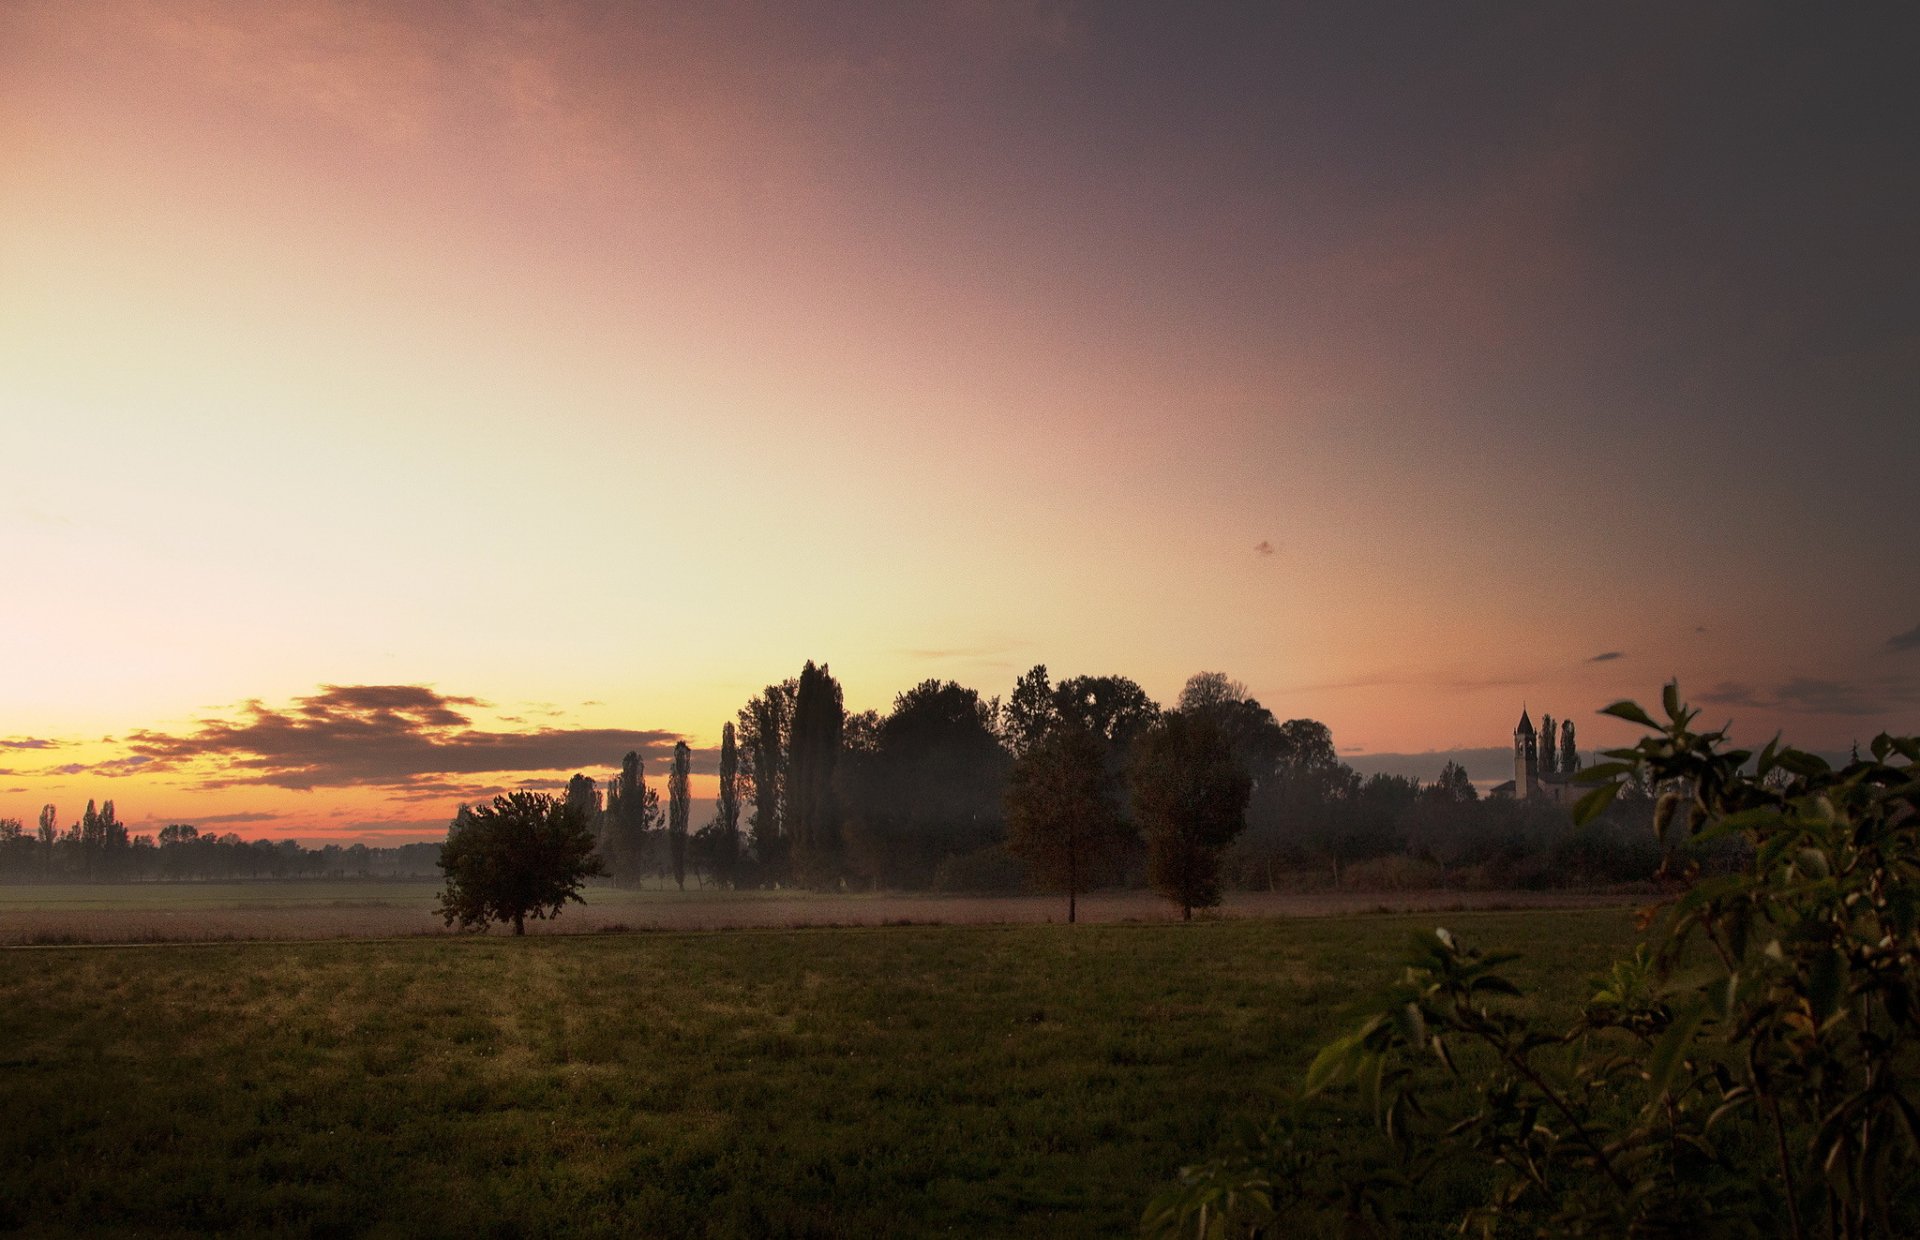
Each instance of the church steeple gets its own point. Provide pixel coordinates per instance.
(1526, 758)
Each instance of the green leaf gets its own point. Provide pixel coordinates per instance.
(1602, 771)
(1631, 712)
(1412, 1026)
(1803, 764)
(1339, 1058)
(1670, 1051)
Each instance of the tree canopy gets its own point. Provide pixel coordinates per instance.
(1062, 817)
(1190, 799)
(525, 855)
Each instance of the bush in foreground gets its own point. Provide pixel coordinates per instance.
(1746, 1072)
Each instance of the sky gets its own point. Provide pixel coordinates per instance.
(400, 402)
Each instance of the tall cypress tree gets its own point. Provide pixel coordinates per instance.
(632, 810)
(819, 716)
(1549, 760)
(679, 809)
(728, 858)
(1569, 756)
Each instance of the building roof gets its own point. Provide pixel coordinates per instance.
(1526, 724)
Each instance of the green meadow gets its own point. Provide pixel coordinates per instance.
(973, 1080)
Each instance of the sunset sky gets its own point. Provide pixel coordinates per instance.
(402, 401)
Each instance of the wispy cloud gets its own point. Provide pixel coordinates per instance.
(1264, 547)
(1819, 696)
(28, 742)
(1608, 656)
(404, 738)
(1909, 640)
(981, 653)
(112, 768)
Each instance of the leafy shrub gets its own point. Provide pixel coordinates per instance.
(1746, 1072)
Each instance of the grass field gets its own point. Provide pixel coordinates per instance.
(320, 909)
(1014, 1080)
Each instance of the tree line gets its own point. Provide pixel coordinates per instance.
(951, 791)
(1069, 785)
(99, 848)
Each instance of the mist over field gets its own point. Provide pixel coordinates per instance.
(977, 617)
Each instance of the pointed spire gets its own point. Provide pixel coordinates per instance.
(1526, 724)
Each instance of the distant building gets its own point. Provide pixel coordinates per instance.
(1544, 763)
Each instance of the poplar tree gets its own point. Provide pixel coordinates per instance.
(728, 858)
(766, 727)
(1569, 756)
(633, 809)
(679, 808)
(819, 715)
(584, 796)
(49, 832)
(1549, 755)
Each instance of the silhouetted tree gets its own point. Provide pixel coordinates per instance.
(632, 814)
(818, 716)
(1549, 746)
(1453, 785)
(726, 851)
(1062, 818)
(90, 841)
(679, 808)
(766, 731)
(1207, 692)
(1190, 799)
(1569, 756)
(1029, 712)
(1111, 707)
(523, 856)
(1118, 711)
(584, 795)
(927, 783)
(48, 833)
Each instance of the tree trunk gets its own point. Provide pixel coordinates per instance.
(1073, 883)
(519, 923)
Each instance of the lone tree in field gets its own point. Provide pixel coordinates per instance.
(1062, 818)
(1190, 798)
(523, 856)
(679, 808)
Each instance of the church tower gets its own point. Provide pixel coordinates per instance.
(1526, 759)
